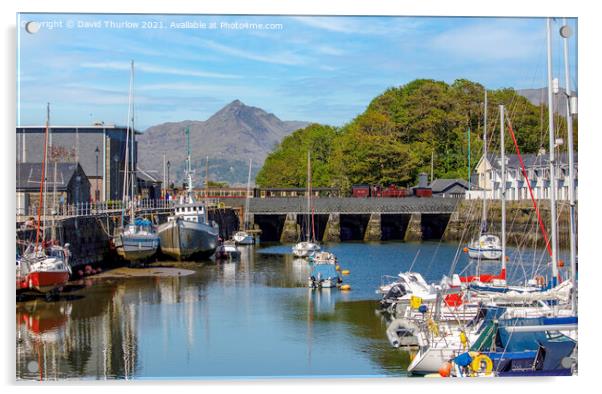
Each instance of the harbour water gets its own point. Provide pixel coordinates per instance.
(252, 318)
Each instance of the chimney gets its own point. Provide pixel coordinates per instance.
(422, 180)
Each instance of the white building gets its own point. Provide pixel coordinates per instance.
(488, 177)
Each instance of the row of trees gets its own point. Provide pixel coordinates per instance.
(398, 134)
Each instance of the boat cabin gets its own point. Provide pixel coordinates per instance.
(190, 212)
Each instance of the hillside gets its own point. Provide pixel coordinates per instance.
(393, 140)
(230, 137)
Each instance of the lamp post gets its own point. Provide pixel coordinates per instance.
(97, 191)
(116, 183)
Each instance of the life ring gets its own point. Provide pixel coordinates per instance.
(477, 364)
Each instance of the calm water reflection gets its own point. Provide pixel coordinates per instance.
(251, 318)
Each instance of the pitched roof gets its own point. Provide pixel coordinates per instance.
(30, 174)
(530, 160)
(442, 185)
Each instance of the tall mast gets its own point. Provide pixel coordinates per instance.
(127, 148)
(503, 187)
(42, 206)
(132, 150)
(468, 160)
(484, 214)
(189, 164)
(247, 199)
(206, 176)
(565, 33)
(308, 224)
(432, 164)
(552, 158)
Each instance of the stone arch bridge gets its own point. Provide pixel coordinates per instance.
(345, 219)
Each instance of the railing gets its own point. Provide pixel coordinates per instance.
(62, 211)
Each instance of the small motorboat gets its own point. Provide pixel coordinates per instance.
(227, 251)
(324, 276)
(243, 238)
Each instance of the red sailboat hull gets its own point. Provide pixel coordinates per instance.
(43, 281)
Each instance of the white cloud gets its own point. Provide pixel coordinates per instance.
(154, 69)
(491, 40)
(286, 58)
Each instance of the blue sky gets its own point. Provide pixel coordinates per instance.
(320, 69)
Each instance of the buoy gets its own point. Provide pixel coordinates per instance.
(465, 250)
(345, 287)
(445, 369)
(560, 263)
(482, 364)
(345, 272)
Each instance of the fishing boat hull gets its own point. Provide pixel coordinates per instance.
(137, 247)
(44, 282)
(186, 240)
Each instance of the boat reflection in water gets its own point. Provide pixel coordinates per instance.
(217, 321)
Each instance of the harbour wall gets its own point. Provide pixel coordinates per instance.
(522, 227)
(89, 236)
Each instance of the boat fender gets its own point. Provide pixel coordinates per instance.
(337, 267)
(463, 339)
(482, 363)
(465, 250)
(445, 369)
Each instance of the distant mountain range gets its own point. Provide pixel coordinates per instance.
(230, 137)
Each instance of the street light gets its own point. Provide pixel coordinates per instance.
(97, 191)
(116, 191)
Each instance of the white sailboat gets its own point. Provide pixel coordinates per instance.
(488, 246)
(44, 266)
(136, 240)
(243, 237)
(309, 246)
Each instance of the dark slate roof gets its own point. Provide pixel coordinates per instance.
(443, 185)
(30, 174)
(530, 159)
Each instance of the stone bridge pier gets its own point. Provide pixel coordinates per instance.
(357, 219)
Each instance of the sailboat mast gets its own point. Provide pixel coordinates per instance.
(565, 33)
(189, 163)
(132, 150)
(484, 214)
(206, 176)
(42, 207)
(552, 158)
(503, 187)
(126, 168)
(308, 224)
(468, 159)
(246, 216)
